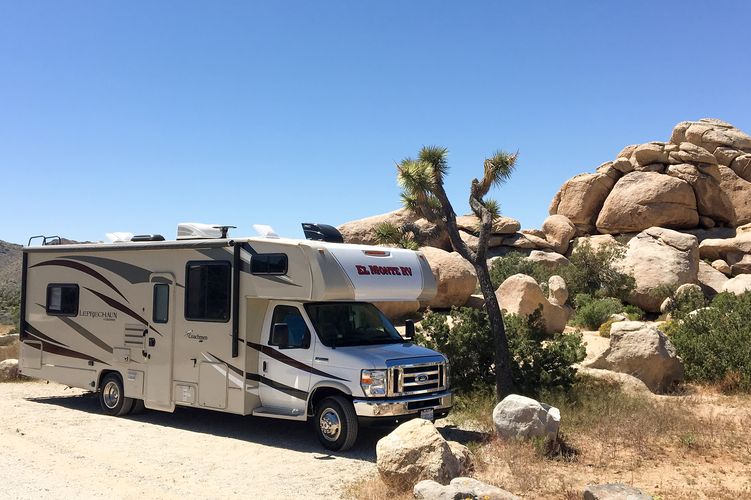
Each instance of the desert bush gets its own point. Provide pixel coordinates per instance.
(593, 312)
(539, 362)
(604, 329)
(715, 343)
(634, 313)
(683, 303)
(594, 272)
(10, 300)
(517, 263)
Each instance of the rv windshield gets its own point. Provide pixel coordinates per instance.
(341, 324)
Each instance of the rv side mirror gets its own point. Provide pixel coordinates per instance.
(409, 329)
(280, 335)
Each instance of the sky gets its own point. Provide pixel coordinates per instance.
(134, 116)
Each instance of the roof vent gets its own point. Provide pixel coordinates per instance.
(265, 231)
(199, 231)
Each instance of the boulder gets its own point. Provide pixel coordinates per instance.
(559, 231)
(738, 285)
(711, 201)
(520, 294)
(628, 151)
(658, 257)
(725, 156)
(739, 192)
(520, 417)
(691, 153)
(720, 265)
(642, 350)
(723, 248)
(742, 266)
(501, 224)
(614, 491)
(414, 451)
(596, 241)
(526, 241)
(710, 279)
(455, 277)
(549, 260)
(644, 199)
(460, 487)
(581, 198)
(557, 291)
(741, 165)
(472, 241)
(362, 231)
(627, 382)
(651, 152)
(8, 369)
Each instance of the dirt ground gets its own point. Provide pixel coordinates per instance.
(56, 443)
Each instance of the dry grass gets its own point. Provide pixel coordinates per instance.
(10, 351)
(694, 445)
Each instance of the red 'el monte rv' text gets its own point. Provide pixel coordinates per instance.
(384, 270)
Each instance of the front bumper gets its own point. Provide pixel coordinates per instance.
(439, 402)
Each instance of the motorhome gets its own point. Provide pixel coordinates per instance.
(262, 326)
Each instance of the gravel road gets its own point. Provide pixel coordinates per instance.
(55, 443)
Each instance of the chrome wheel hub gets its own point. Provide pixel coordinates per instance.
(111, 395)
(330, 424)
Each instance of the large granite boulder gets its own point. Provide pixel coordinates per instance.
(415, 451)
(739, 285)
(642, 350)
(739, 192)
(581, 198)
(660, 258)
(549, 260)
(363, 231)
(501, 224)
(645, 199)
(710, 279)
(712, 201)
(455, 277)
(520, 417)
(520, 294)
(559, 231)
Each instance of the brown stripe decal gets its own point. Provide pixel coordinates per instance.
(84, 269)
(86, 334)
(290, 391)
(270, 351)
(36, 333)
(236, 370)
(121, 307)
(62, 351)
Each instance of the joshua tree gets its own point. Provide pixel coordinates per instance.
(421, 181)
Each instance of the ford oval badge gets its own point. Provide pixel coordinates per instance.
(421, 378)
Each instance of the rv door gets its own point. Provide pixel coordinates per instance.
(286, 352)
(158, 344)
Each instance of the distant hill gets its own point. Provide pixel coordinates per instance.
(10, 263)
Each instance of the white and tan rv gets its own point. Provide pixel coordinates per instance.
(259, 326)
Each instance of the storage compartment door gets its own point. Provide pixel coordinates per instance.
(212, 385)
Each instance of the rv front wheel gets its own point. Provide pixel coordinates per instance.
(112, 396)
(336, 423)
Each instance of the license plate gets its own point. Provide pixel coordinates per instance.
(427, 414)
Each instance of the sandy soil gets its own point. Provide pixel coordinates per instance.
(57, 444)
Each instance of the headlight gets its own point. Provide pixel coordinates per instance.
(374, 382)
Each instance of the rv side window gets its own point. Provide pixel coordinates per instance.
(207, 291)
(268, 263)
(298, 333)
(62, 299)
(161, 303)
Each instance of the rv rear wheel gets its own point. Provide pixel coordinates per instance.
(112, 396)
(336, 423)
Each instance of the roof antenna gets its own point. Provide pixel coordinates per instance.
(224, 230)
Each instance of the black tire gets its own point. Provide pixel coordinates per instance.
(336, 423)
(112, 396)
(137, 408)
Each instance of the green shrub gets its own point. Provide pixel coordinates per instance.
(634, 313)
(605, 328)
(539, 362)
(685, 302)
(591, 312)
(594, 272)
(10, 300)
(517, 263)
(715, 343)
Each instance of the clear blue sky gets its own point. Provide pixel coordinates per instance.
(133, 116)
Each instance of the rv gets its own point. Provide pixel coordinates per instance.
(262, 326)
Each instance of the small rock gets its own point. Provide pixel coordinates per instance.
(9, 369)
(614, 491)
(460, 488)
(521, 417)
(721, 266)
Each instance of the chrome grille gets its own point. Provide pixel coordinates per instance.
(417, 378)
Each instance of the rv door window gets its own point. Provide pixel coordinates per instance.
(268, 263)
(299, 335)
(62, 299)
(207, 291)
(161, 303)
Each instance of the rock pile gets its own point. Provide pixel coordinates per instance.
(701, 177)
